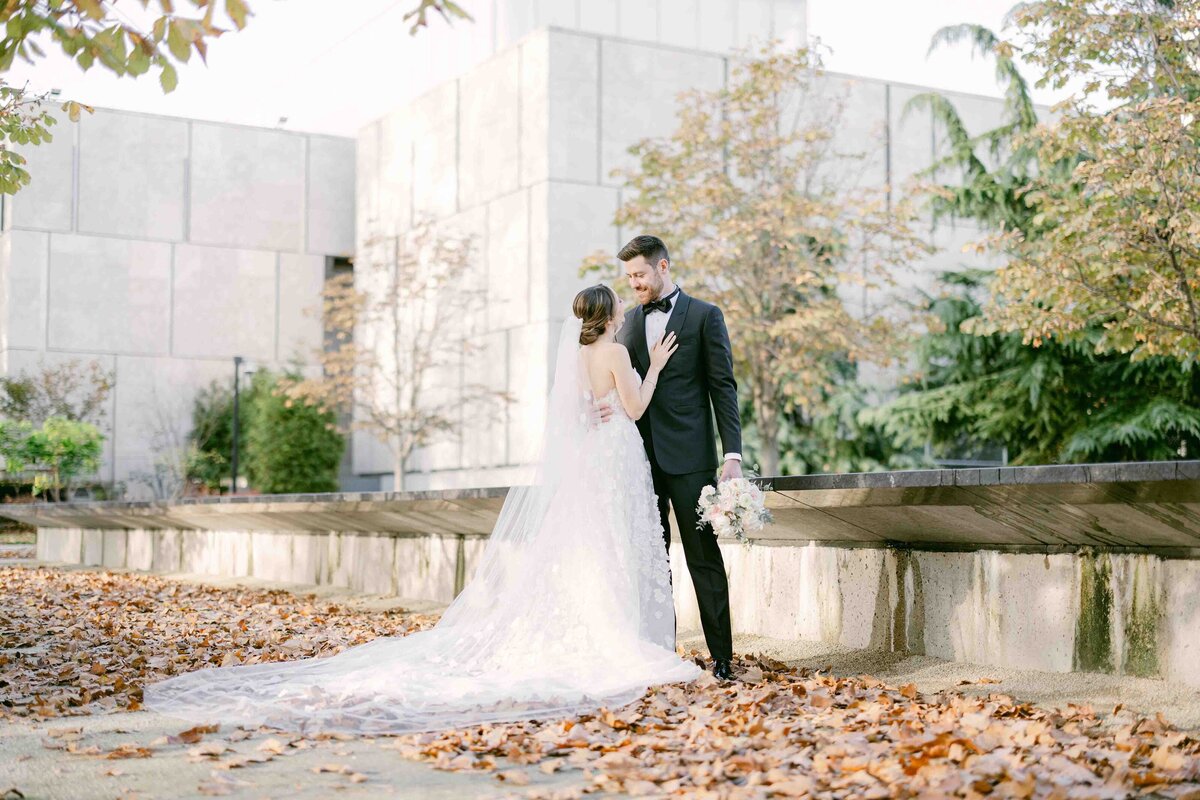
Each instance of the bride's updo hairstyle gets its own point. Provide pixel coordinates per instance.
(594, 306)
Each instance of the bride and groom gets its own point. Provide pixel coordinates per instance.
(570, 608)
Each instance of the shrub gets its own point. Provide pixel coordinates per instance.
(293, 444)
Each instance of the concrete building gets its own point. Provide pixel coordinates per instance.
(518, 153)
(163, 247)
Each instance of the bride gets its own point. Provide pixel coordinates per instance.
(570, 608)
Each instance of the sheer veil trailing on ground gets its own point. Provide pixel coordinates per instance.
(569, 609)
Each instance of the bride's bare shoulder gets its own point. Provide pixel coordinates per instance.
(611, 351)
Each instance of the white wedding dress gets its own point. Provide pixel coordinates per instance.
(570, 608)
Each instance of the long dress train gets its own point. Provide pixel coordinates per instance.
(569, 610)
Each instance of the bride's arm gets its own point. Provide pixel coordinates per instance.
(635, 398)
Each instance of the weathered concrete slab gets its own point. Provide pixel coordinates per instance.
(1151, 507)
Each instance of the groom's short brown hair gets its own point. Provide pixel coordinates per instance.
(649, 247)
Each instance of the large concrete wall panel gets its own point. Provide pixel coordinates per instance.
(368, 181)
(47, 203)
(330, 212)
(574, 112)
(508, 261)
(370, 456)
(394, 178)
(578, 223)
(301, 333)
(247, 187)
(109, 295)
(488, 130)
(434, 118)
(528, 375)
(224, 303)
(132, 175)
(637, 76)
(26, 261)
(484, 436)
(534, 109)
(910, 135)
(860, 134)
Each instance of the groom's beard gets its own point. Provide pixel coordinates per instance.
(654, 292)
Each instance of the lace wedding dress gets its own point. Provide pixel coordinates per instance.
(569, 610)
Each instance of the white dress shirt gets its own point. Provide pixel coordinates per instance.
(656, 326)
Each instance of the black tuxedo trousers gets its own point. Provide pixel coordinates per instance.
(704, 561)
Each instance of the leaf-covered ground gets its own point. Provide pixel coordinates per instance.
(80, 642)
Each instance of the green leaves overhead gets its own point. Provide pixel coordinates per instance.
(447, 9)
(92, 31)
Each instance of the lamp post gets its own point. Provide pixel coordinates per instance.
(233, 455)
(238, 361)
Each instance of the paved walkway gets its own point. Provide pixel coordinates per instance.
(65, 758)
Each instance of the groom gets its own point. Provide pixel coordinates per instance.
(677, 428)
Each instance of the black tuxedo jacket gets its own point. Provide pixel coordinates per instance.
(677, 428)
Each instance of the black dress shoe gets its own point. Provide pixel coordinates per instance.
(722, 670)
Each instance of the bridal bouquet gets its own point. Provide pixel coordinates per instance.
(734, 508)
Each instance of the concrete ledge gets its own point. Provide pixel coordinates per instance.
(1141, 507)
(1093, 568)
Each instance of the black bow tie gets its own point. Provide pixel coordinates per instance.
(662, 304)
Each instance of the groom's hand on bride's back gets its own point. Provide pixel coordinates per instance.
(600, 414)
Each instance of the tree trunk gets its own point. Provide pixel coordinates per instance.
(768, 435)
(398, 476)
(770, 454)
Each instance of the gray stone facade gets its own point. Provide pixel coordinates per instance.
(163, 247)
(519, 154)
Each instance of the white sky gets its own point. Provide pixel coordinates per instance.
(332, 73)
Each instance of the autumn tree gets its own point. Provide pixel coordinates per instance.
(73, 390)
(396, 326)
(767, 218)
(49, 423)
(1044, 400)
(1119, 246)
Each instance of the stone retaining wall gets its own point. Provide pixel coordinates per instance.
(1135, 614)
(1120, 613)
